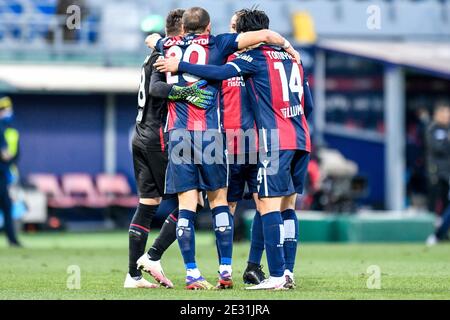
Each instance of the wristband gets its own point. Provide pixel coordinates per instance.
(286, 45)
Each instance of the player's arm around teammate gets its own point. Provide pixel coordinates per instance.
(277, 191)
(245, 40)
(150, 163)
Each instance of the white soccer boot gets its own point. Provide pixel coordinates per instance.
(290, 281)
(131, 283)
(272, 283)
(154, 269)
(432, 240)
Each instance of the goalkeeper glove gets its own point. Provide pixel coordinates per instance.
(193, 94)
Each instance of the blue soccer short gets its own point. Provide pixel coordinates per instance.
(197, 160)
(282, 175)
(242, 173)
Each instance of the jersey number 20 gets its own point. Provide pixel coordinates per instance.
(177, 52)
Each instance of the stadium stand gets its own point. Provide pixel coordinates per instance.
(117, 190)
(39, 24)
(78, 189)
(81, 187)
(49, 185)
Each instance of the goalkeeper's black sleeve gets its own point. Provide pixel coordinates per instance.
(158, 86)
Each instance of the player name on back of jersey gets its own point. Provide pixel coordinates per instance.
(293, 111)
(279, 55)
(186, 41)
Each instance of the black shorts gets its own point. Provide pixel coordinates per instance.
(242, 174)
(150, 172)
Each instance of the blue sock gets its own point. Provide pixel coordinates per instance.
(273, 229)
(224, 228)
(257, 241)
(186, 237)
(290, 237)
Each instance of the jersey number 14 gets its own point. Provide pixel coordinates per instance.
(295, 84)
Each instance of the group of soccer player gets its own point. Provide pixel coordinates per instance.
(244, 129)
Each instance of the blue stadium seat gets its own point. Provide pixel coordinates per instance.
(14, 6)
(46, 6)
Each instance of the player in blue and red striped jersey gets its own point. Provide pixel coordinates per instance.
(195, 132)
(281, 101)
(150, 163)
(241, 132)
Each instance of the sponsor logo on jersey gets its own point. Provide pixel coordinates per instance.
(236, 82)
(246, 57)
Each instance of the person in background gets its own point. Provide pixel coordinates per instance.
(8, 155)
(418, 121)
(438, 169)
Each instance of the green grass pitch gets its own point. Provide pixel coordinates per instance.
(323, 271)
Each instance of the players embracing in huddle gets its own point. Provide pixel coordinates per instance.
(259, 114)
(150, 163)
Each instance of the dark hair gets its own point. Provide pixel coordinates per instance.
(441, 103)
(173, 22)
(251, 20)
(195, 20)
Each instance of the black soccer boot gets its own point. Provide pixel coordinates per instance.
(253, 274)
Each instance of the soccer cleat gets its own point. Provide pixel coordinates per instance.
(198, 284)
(290, 282)
(432, 240)
(15, 245)
(132, 283)
(253, 275)
(271, 283)
(225, 281)
(154, 269)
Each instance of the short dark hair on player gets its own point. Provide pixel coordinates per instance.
(174, 22)
(251, 20)
(195, 20)
(442, 102)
